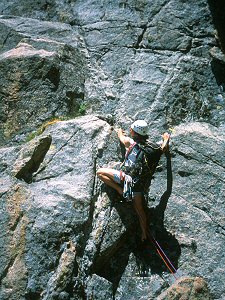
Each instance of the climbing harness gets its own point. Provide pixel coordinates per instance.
(139, 165)
(141, 160)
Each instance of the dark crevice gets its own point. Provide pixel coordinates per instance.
(87, 231)
(113, 262)
(54, 76)
(16, 222)
(98, 247)
(140, 38)
(220, 229)
(203, 208)
(218, 69)
(217, 9)
(152, 49)
(32, 165)
(79, 289)
(71, 283)
(94, 171)
(74, 100)
(2, 194)
(6, 38)
(46, 6)
(184, 173)
(33, 296)
(74, 95)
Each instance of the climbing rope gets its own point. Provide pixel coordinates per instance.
(163, 255)
(160, 251)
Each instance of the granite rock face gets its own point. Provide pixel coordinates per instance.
(41, 77)
(71, 73)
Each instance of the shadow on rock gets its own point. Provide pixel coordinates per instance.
(112, 264)
(218, 16)
(149, 258)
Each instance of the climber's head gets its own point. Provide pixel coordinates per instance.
(140, 127)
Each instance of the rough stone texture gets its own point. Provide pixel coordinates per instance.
(63, 275)
(30, 158)
(187, 289)
(41, 77)
(63, 234)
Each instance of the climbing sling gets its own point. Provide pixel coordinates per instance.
(127, 188)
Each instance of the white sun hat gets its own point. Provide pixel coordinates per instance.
(140, 127)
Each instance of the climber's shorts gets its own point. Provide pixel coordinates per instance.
(118, 177)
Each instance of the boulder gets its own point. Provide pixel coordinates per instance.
(187, 288)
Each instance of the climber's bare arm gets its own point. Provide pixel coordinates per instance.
(165, 144)
(123, 138)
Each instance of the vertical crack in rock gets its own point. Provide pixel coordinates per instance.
(14, 275)
(97, 224)
(105, 225)
(59, 284)
(117, 253)
(94, 176)
(140, 38)
(89, 224)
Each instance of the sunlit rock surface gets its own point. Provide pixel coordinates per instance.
(71, 73)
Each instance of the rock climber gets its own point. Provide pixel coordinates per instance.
(120, 180)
